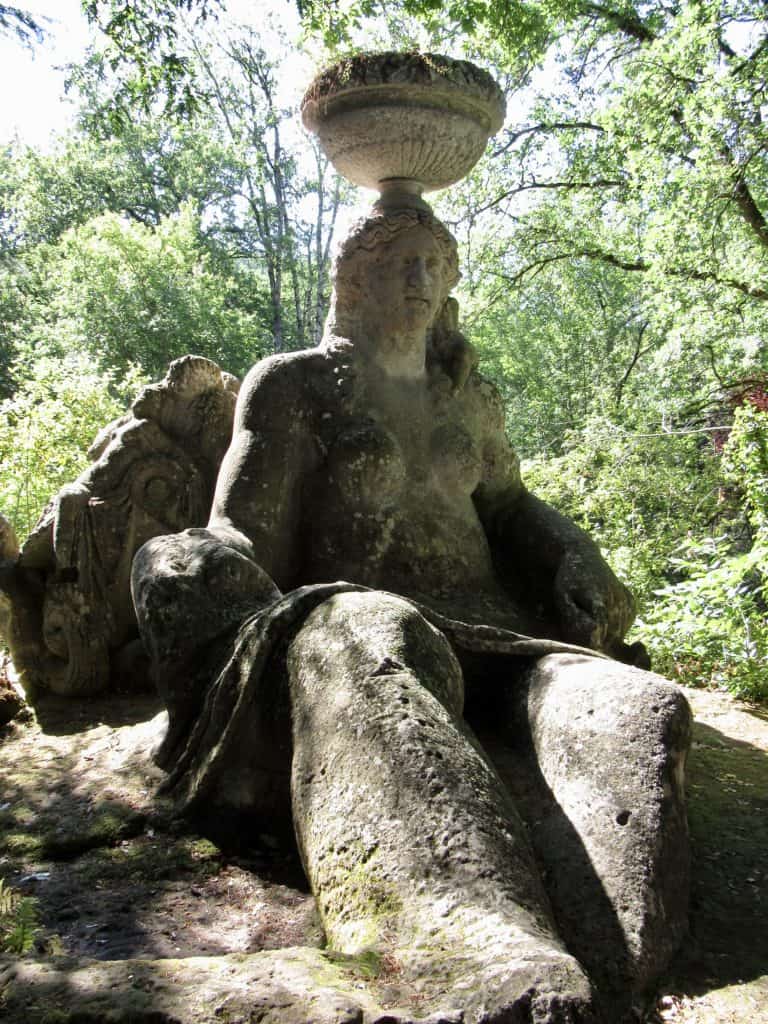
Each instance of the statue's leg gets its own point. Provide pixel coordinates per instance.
(409, 839)
(611, 831)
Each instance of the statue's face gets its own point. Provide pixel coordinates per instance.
(403, 281)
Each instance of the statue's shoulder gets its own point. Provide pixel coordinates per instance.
(280, 392)
(485, 400)
(286, 372)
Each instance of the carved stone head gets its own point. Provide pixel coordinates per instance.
(371, 279)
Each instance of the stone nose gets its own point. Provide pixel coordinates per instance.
(417, 272)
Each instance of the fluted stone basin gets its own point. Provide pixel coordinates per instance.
(410, 122)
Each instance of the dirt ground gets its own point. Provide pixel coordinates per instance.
(721, 974)
(114, 875)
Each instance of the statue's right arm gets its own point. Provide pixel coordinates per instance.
(256, 502)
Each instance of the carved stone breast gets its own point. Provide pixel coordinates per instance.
(367, 465)
(455, 459)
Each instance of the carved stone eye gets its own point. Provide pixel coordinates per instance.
(157, 492)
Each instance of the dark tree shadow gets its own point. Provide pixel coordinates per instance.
(64, 716)
(115, 874)
(111, 864)
(727, 785)
(727, 797)
(585, 917)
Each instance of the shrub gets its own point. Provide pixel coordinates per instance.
(47, 427)
(686, 526)
(18, 921)
(711, 627)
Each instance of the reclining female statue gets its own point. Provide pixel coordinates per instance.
(379, 459)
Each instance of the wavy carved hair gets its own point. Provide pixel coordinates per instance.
(366, 235)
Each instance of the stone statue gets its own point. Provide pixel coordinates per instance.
(69, 619)
(382, 633)
(10, 701)
(9, 553)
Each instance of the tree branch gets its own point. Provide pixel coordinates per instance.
(556, 126)
(750, 211)
(625, 22)
(636, 355)
(565, 185)
(641, 266)
(24, 23)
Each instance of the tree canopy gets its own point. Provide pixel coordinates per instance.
(613, 248)
(23, 24)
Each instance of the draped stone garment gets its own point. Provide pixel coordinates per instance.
(233, 658)
(241, 705)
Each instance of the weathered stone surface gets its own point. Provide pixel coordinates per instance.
(9, 552)
(391, 120)
(610, 742)
(71, 624)
(299, 986)
(215, 627)
(407, 834)
(11, 702)
(380, 459)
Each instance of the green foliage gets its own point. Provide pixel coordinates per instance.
(711, 625)
(637, 494)
(643, 151)
(47, 427)
(745, 461)
(268, 202)
(144, 283)
(143, 175)
(522, 29)
(143, 48)
(710, 628)
(281, 205)
(572, 345)
(124, 294)
(669, 513)
(18, 921)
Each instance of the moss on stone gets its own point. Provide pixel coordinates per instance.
(22, 844)
(366, 965)
(108, 826)
(359, 890)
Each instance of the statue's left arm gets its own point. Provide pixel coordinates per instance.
(545, 550)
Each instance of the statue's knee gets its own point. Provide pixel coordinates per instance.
(358, 635)
(599, 695)
(616, 730)
(189, 589)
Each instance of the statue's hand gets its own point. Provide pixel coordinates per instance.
(595, 609)
(190, 591)
(456, 356)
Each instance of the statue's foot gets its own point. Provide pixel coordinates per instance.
(551, 989)
(447, 960)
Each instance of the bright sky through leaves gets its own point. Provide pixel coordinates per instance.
(32, 79)
(32, 87)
